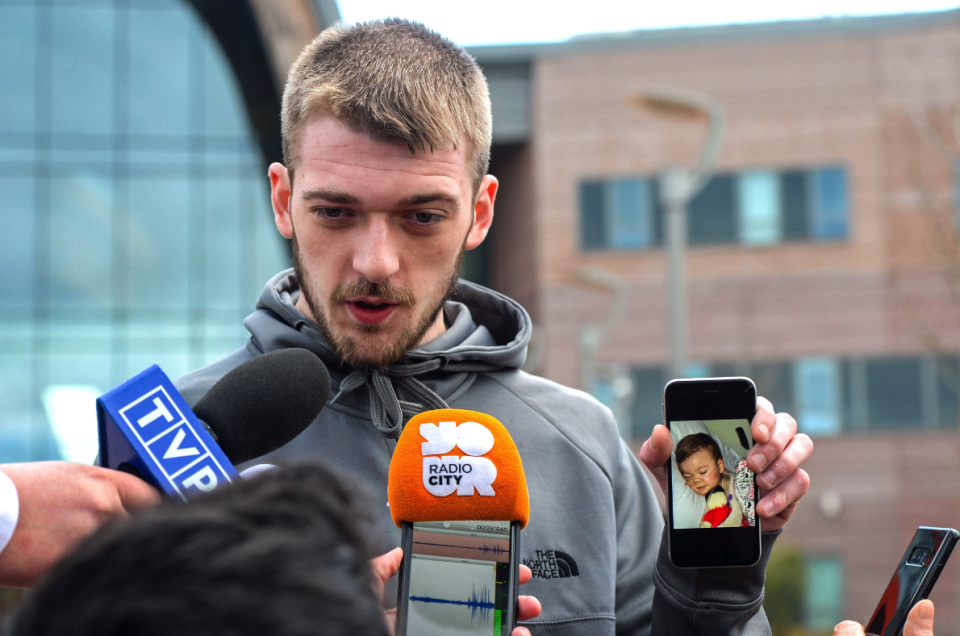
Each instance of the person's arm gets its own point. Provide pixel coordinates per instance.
(729, 600)
(60, 503)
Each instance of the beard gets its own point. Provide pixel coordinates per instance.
(372, 349)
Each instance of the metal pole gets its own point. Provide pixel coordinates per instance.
(676, 194)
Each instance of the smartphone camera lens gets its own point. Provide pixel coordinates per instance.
(918, 556)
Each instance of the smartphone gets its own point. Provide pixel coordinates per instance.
(914, 579)
(458, 577)
(711, 494)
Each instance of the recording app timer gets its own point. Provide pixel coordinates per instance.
(459, 578)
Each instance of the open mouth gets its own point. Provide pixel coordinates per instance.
(370, 312)
(366, 305)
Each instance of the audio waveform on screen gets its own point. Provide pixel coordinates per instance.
(484, 549)
(480, 604)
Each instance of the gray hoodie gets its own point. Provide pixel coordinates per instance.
(594, 538)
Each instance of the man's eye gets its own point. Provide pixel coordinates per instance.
(332, 213)
(425, 218)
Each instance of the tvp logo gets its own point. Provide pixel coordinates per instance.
(453, 464)
(464, 474)
(146, 423)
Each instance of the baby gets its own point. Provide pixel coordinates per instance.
(701, 465)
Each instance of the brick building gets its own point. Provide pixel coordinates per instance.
(823, 258)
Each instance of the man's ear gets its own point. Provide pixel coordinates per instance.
(280, 198)
(482, 212)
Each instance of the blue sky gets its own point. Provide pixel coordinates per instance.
(517, 21)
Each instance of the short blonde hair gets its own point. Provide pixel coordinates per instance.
(391, 80)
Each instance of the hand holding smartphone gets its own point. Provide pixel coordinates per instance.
(914, 579)
(712, 495)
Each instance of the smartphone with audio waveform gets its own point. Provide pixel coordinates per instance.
(919, 569)
(458, 577)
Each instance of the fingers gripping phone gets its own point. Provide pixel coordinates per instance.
(711, 494)
(914, 579)
(458, 577)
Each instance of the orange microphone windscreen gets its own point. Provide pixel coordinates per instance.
(453, 465)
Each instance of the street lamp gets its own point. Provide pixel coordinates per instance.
(677, 187)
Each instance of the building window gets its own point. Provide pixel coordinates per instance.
(817, 395)
(894, 393)
(823, 593)
(829, 209)
(711, 215)
(618, 214)
(758, 198)
(137, 227)
(754, 208)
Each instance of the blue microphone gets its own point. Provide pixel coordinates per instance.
(148, 429)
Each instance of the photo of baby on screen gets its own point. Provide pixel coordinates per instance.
(712, 486)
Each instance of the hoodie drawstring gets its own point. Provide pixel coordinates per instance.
(388, 412)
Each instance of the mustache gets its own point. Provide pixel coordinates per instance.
(384, 290)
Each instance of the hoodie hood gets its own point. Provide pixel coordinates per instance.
(486, 332)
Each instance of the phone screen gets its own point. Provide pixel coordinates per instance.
(712, 494)
(459, 578)
(712, 486)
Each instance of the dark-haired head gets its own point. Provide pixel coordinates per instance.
(694, 443)
(280, 554)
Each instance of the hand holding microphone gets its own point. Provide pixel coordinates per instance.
(458, 491)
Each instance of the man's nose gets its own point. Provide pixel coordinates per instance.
(377, 255)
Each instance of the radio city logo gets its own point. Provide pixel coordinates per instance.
(464, 474)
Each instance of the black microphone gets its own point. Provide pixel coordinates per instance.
(147, 428)
(262, 404)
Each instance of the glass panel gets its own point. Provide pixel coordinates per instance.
(712, 213)
(647, 408)
(795, 203)
(69, 402)
(830, 210)
(592, 226)
(18, 49)
(159, 93)
(18, 440)
(696, 370)
(82, 70)
(158, 244)
(817, 395)
(81, 249)
(629, 214)
(223, 114)
(948, 376)
(16, 243)
(759, 206)
(774, 381)
(893, 393)
(823, 607)
(222, 235)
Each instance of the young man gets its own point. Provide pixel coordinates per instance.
(386, 145)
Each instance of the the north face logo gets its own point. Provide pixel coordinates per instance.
(552, 564)
(444, 475)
